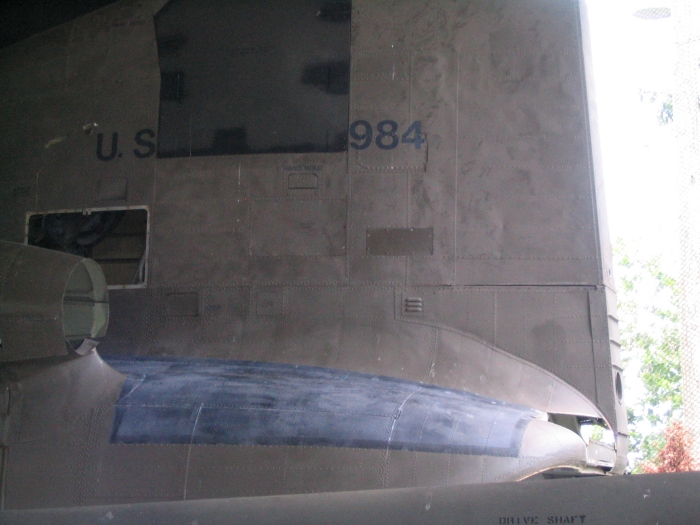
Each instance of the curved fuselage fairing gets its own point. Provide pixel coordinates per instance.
(347, 246)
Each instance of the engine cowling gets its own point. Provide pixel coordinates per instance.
(51, 303)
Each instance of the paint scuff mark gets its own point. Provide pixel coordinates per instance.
(55, 141)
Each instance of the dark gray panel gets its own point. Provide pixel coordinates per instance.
(252, 77)
(129, 321)
(183, 304)
(399, 241)
(225, 304)
(269, 303)
(302, 181)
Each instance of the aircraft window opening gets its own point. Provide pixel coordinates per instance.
(243, 77)
(618, 386)
(596, 430)
(115, 238)
(567, 421)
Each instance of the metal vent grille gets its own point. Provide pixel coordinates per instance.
(413, 305)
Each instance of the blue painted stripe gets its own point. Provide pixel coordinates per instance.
(210, 401)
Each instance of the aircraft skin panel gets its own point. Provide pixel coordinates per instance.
(480, 339)
(670, 499)
(162, 437)
(243, 403)
(448, 235)
(98, 69)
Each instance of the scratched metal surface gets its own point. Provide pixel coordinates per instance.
(266, 256)
(61, 434)
(648, 498)
(213, 402)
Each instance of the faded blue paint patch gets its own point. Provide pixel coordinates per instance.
(210, 401)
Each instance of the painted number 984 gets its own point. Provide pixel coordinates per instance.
(386, 135)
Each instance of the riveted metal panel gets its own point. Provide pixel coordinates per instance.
(399, 241)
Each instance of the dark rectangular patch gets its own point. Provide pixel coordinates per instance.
(23, 191)
(400, 241)
(183, 304)
(302, 181)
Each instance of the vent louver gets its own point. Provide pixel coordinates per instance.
(413, 305)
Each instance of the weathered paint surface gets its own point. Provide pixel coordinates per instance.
(456, 240)
(651, 498)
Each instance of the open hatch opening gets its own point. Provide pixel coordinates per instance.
(115, 238)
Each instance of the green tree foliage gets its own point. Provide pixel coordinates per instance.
(662, 102)
(648, 308)
(676, 455)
